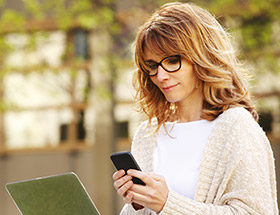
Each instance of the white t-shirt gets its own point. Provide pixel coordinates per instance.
(177, 156)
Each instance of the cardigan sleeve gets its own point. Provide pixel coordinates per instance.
(138, 144)
(246, 178)
(129, 210)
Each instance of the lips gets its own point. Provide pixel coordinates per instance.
(168, 88)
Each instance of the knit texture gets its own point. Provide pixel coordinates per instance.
(236, 175)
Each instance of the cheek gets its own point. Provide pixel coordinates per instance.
(190, 78)
(192, 81)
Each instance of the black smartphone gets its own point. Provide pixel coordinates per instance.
(126, 161)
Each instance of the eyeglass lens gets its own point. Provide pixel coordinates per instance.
(169, 64)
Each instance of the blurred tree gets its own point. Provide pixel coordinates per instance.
(258, 23)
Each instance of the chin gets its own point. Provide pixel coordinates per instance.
(172, 100)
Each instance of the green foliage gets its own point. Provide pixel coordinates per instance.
(80, 6)
(87, 21)
(33, 8)
(4, 48)
(10, 18)
(256, 32)
(255, 21)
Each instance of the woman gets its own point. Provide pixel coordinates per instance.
(201, 151)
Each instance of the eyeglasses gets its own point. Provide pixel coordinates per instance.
(169, 64)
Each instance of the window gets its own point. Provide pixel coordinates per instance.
(122, 129)
(265, 121)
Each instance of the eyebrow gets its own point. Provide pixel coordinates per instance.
(150, 60)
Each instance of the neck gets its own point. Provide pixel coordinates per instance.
(190, 109)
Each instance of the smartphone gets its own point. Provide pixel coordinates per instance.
(126, 161)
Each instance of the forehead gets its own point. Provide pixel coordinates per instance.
(150, 55)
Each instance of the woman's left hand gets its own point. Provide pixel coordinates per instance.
(153, 195)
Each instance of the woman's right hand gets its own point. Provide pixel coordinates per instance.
(122, 184)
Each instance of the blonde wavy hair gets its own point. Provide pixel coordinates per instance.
(192, 32)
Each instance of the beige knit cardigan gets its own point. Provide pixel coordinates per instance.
(236, 175)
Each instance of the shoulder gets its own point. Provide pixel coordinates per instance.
(240, 128)
(239, 137)
(146, 128)
(238, 118)
(144, 134)
(236, 114)
(237, 125)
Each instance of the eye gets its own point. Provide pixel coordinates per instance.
(151, 65)
(172, 60)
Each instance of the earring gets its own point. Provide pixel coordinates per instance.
(172, 106)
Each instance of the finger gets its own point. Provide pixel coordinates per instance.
(139, 174)
(118, 174)
(128, 198)
(120, 182)
(139, 198)
(122, 191)
(144, 190)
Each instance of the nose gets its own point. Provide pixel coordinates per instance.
(162, 74)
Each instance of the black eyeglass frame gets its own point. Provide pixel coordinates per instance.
(160, 64)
